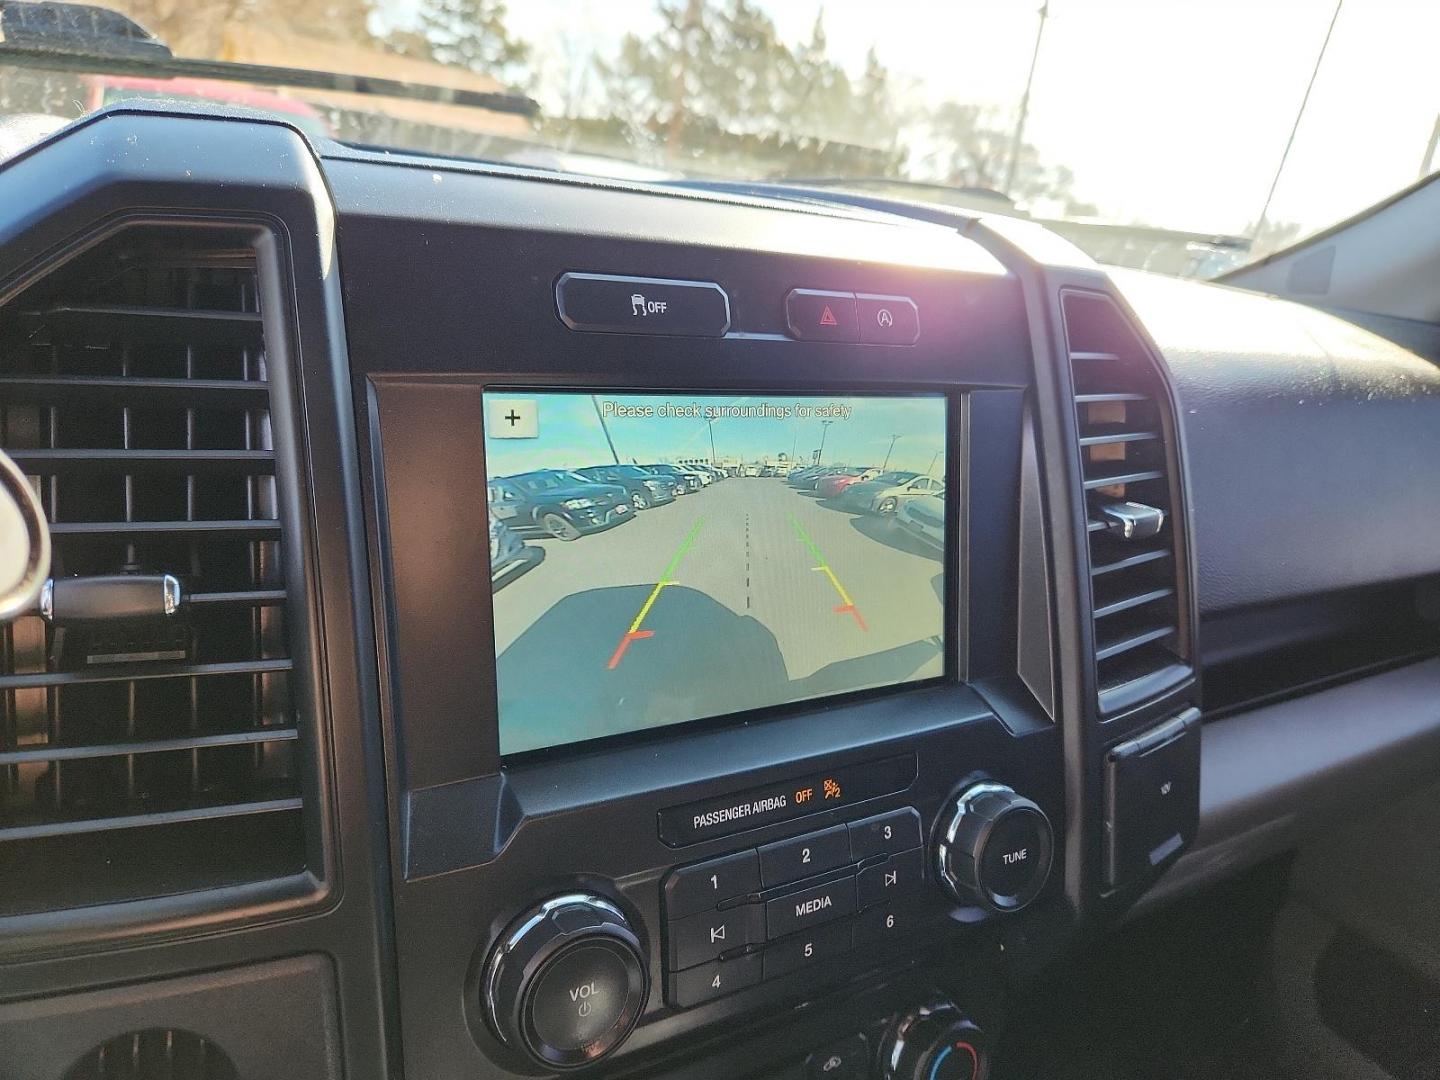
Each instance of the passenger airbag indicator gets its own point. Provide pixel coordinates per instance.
(812, 793)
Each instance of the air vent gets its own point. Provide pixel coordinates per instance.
(155, 1054)
(148, 756)
(1140, 644)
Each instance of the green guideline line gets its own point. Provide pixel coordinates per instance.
(684, 547)
(805, 538)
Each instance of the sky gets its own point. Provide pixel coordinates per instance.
(569, 434)
(1169, 112)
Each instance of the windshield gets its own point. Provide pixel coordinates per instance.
(1184, 136)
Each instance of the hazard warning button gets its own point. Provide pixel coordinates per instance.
(814, 315)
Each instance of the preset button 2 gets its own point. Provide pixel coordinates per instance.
(804, 856)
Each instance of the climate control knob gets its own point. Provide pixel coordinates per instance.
(994, 848)
(933, 1042)
(566, 982)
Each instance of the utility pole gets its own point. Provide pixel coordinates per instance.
(711, 424)
(604, 427)
(1018, 138)
(1299, 115)
(931, 471)
(887, 452)
(824, 430)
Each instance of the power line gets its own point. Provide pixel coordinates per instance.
(1299, 115)
(1018, 137)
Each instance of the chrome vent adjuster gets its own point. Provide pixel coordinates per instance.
(1131, 488)
(148, 732)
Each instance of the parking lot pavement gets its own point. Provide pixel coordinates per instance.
(848, 600)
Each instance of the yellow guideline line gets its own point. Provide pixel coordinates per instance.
(836, 582)
(649, 603)
(666, 578)
(848, 605)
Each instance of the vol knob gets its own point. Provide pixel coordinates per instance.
(566, 982)
(994, 848)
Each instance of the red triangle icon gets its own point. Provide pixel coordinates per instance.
(827, 317)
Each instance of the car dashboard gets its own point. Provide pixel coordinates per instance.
(779, 762)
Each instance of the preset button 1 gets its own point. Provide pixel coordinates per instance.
(702, 886)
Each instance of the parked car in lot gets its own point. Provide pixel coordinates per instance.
(645, 489)
(883, 494)
(556, 503)
(923, 517)
(828, 487)
(796, 478)
(812, 481)
(753, 468)
(685, 480)
(510, 556)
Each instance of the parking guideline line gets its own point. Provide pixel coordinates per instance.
(666, 578)
(847, 606)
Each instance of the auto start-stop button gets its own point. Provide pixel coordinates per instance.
(581, 996)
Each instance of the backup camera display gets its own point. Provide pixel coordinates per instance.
(657, 559)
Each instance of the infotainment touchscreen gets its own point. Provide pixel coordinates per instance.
(661, 558)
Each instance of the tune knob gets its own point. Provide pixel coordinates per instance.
(994, 848)
(566, 982)
(933, 1042)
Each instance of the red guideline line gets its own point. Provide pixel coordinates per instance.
(851, 609)
(625, 641)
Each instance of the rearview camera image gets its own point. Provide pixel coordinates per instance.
(657, 559)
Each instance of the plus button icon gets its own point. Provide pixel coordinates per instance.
(513, 417)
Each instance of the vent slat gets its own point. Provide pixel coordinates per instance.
(1129, 603)
(242, 529)
(1088, 356)
(1129, 562)
(60, 389)
(90, 323)
(1118, 397)
(142, 672)
(153, 746)
(141, 462)
(1131, 641)
(1107, 438)
(1114, 479)
(239, 598)
(141, 821)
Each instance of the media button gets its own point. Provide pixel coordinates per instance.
(700, 887)
(710, 981)
(885, 834)
(804, 856)
(813, 315)
(703, 937)
(609, 304)
(798, 911)
(887, 320)
(897, 874)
